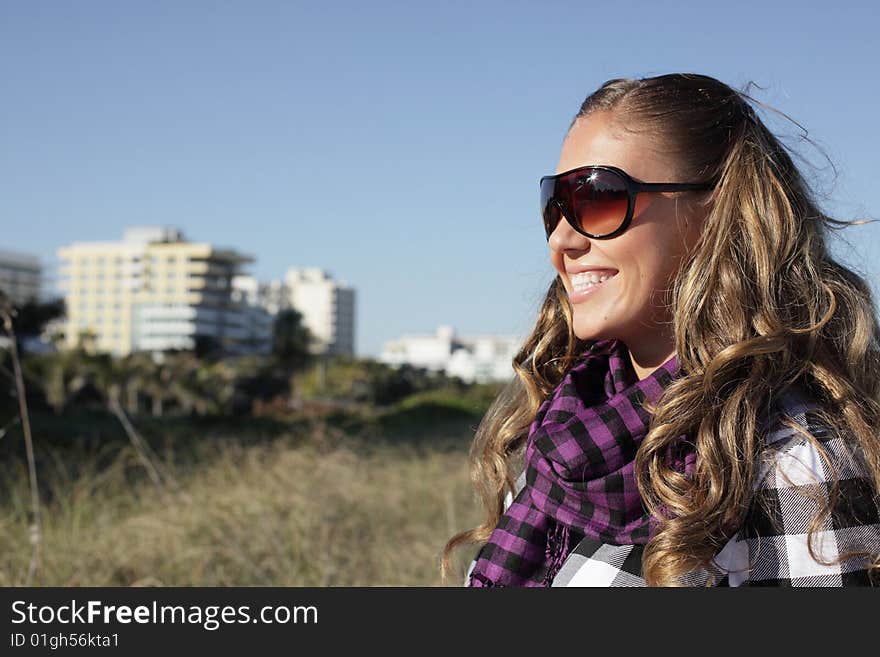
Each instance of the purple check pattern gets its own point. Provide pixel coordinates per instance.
(580, 479)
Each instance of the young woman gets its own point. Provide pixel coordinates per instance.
(699, 400)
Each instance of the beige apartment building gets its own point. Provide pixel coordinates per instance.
(155, 290)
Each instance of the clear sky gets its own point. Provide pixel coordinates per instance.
(397, 145)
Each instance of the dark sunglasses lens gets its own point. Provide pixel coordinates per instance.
(549, 207)
(599, 201)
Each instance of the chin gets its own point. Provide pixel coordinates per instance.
(590, 333)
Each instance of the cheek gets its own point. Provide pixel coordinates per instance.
(556, 261)
(642, 204)
(645, 268)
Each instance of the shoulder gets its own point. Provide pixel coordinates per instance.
(814, 518)
(808, 456)
(518, 486)
(798, 477)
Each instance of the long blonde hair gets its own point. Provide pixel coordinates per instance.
(758, 304)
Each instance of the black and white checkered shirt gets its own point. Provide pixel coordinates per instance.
(770, 548)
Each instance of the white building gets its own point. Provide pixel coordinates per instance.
(21, 277)
(327, 307)
(238, 330)
(480, 359)
(256, 320)
(273, 296)
(484, 358)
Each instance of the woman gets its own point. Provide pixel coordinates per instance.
(698, 401)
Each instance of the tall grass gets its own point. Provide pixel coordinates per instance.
(310, 507)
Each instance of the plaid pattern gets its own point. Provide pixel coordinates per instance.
(770, 548)
(579, 470)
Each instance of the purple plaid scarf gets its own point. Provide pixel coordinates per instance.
(580, 479)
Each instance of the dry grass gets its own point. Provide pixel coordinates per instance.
(295, 511)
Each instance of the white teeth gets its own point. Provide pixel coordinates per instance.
(588, 279)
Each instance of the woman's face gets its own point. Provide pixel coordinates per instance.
(632, 304)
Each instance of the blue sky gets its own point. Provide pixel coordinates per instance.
(396, 145)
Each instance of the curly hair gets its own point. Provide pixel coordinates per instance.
(759, 304)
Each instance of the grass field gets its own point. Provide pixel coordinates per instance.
(345, 501)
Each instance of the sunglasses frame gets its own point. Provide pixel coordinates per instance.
(633, 187)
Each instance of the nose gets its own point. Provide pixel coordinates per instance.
(565, 238)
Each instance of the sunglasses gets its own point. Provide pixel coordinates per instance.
(598, 201)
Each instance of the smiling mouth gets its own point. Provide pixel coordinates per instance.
(583, 288)
(585, 281)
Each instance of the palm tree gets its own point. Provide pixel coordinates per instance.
(110, 376)
(60, 375)
(140, 370)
